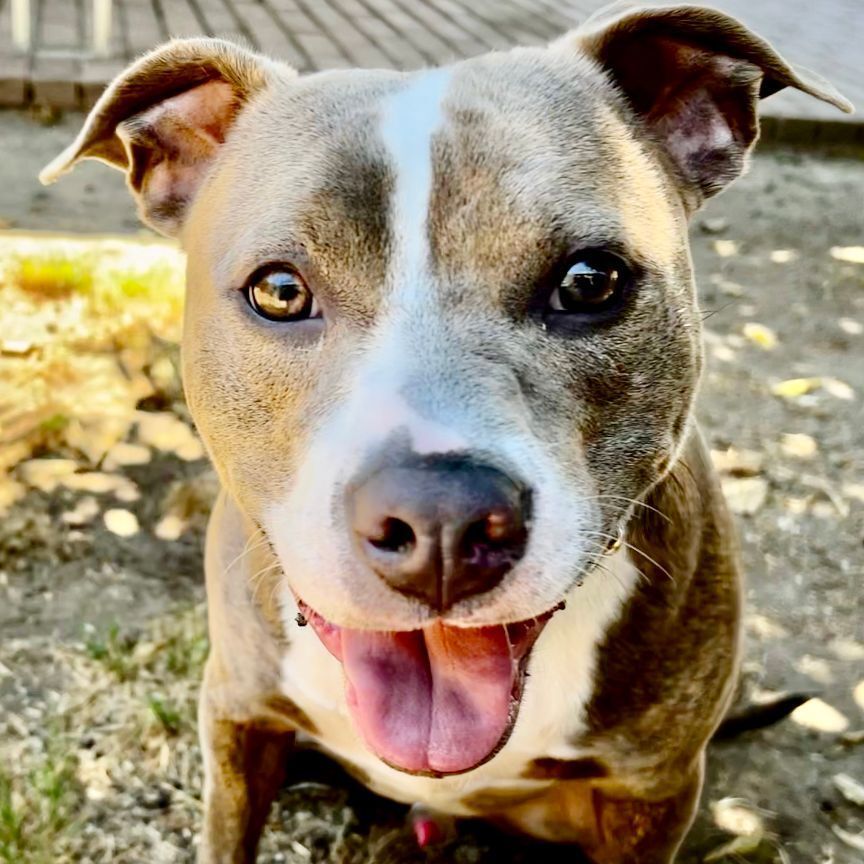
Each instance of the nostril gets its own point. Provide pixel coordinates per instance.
(496, 539)
(394, 536)
(497, 527)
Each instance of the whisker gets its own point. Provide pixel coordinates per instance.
(257, 580)
(635, 549)
(248, 547)
(599, 565)
(632, 501)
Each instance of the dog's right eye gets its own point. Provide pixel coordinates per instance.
(279, 293)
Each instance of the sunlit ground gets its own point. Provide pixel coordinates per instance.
(88, 330)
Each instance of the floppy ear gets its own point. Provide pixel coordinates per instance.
(694, 76)
(163, 120)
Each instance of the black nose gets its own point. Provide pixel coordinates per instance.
(441, 530)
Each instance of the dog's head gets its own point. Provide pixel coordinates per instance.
(441, 330)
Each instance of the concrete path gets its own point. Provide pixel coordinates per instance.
(60, 69)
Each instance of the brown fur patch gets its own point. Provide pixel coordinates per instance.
(565, 769)
(673, 655)
(290, 712)
(486, 801)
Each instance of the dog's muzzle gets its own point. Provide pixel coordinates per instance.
(440, 529)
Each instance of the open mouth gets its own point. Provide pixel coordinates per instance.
(436, 701)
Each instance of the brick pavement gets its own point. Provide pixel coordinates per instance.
(61, 71)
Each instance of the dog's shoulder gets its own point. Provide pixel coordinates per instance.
(667, 667)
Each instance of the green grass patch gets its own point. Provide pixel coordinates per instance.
(54, 276)
(115, 651)
(38, 806)
(169, 716)
(107, 280)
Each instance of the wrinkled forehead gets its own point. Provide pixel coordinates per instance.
(479, 163)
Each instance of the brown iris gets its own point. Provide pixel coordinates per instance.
(279, 293)
(592, 281)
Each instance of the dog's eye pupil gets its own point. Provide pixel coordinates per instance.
(591, 282)
(587, 284)
(279, 295)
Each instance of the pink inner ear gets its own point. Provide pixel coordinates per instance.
(172, 145)
(703, 109)
(695, 127)
(699, 102)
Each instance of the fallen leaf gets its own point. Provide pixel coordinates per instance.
(795, 387)
(716, 225)
(731, 289)
(823, 510)
(858, 694)
(783, 256)
(850, 789)
(99, 483)
(46, 474)
(854, 490)
(10, 492)
(123, 523)
(848, 650)
(94, 434)
(16, 347)
(170, 528)
(854, 841)
(851, 326)
(820, 716)
(760, 335)
(735, 816)
(86, 510)
(723, 353)
(839, 389)
(122, 455)
(850, 254)
(725, 248)
(167, 432)
(764, 627)
(799, 445)
(815, 668)
(737, 463)
(190, 450)
(853, 738)
(796, 506)
(163, 374)
(745, 495)
(821, 485)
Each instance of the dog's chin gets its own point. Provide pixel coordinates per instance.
(433, 702)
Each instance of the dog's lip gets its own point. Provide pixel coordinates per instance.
(521, 636)
(517, 630)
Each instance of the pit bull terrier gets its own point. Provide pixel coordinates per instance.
(442, 342)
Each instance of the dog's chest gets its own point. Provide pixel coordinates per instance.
(551, 716)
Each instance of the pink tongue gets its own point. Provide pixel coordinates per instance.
(430, 700)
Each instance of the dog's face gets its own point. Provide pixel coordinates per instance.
(452, 234)
(441, 330)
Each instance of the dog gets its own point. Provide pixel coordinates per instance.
(442, 342)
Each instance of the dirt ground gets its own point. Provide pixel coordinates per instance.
(101, 633)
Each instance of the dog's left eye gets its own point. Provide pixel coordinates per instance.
(593, 282)
(279, 293)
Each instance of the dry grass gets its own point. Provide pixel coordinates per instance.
(84, 325)
(122, 739)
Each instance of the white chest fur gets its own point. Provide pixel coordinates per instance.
(561, 679)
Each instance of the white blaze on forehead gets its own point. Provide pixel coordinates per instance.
(411, 118)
